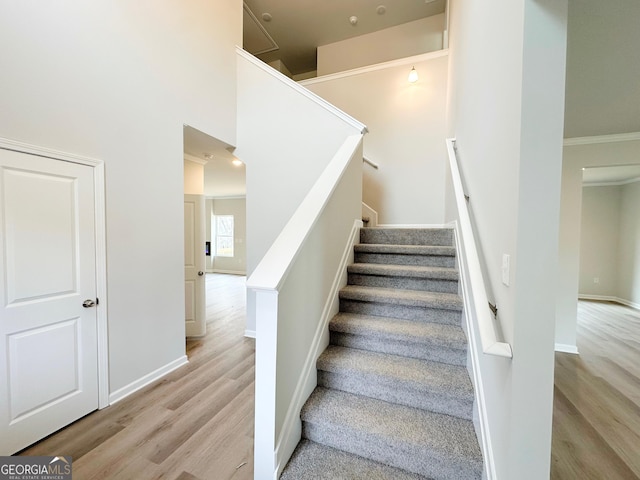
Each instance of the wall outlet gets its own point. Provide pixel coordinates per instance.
(596, 279)
(506, 261)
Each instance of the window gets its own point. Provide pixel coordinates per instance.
(224, 235)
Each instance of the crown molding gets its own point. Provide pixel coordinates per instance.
(193, 159)
(596, 139)
(611, 184)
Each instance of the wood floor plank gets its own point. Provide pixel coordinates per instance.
(590, 457)
(596, 422)
(196, 423)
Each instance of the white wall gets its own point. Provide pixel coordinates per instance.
(408, 39)
(506, 111)
(238, 208)
(629, 246)
(406, 135)
(116, 80)
(599, 238)
(610, 242)
(193, 177)
(286, 139)
(578, 154)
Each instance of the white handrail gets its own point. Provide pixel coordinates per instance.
(488, 337)
(370, 162)
(272, 270)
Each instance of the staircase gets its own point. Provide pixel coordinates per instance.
(394, 399)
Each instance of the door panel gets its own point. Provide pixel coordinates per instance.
(194, 265)
(55, 369)
(48, 341)
(25, 250)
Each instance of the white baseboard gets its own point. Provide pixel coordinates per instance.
(566, 348)
(288, 438)
(628, 303)
(609, 298)
(227, 272)
(601, 298)
(146, 380)
(250, 333)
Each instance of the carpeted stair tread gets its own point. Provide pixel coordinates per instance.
(423, 442)
(412, 298)
(430, 341)
(313, 461)
(407, 236)
(414, 382)
(441, 273)
(451, 336)
(405, 249)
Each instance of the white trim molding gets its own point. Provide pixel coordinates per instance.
(566, 348)
(378, 66)
(609, 298)
(149, 378)
(618, 183)
(616, 137)
(241, 273)
(250, 333)
(191, 158)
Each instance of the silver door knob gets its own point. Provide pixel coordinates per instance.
(88, 303)
(200, 273)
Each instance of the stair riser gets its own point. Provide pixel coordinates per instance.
(394, 259)
(418, 314)
(424, 351)
(407, 457)
(401, 393)
(401, 236)
(404, 283)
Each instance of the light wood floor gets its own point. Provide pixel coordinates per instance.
(197, 422)
(596, 419)
(194, 424)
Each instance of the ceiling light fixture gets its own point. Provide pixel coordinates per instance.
(266, 17)
(353, 20)
(236, 162)
(413, 75)
(381, 9)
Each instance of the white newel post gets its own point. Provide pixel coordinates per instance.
(265, 384)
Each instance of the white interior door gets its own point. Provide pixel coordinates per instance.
(48, 344)
(194, 265)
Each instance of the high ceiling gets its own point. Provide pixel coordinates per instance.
(299, 27)
(603, 60)
(603, 68)
(221, 177)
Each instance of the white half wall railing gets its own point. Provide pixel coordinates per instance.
(296, 287)
(477, 295)
(370, 214)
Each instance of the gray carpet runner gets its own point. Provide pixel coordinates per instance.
(394, 399)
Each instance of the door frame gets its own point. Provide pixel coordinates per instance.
(101, 249)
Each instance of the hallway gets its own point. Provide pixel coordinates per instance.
(194, 424)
